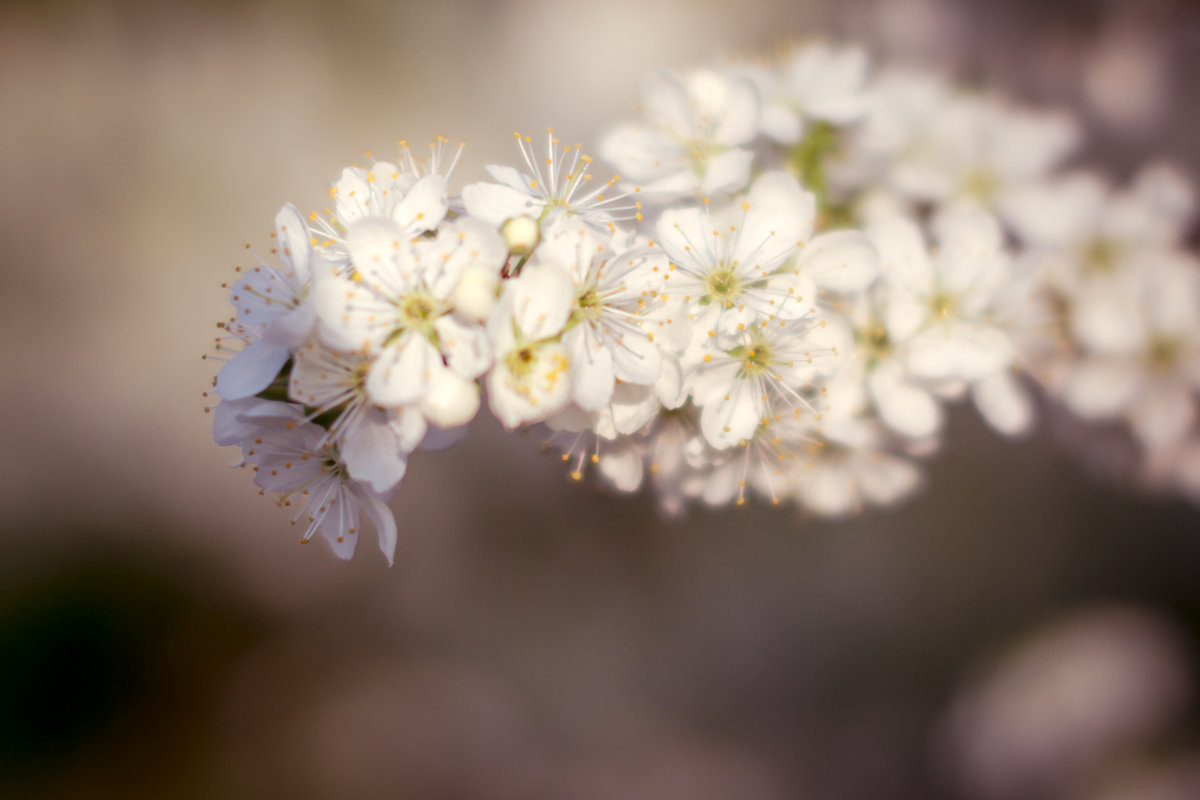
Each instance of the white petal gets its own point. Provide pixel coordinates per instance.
(292, 328)
(494, 203)
(1004, 403)
(640, 153)
(721, 485)
(1163, 413)
(622, 468)
(402, 373)
(1100, 389)
(780, 215)
(669, 388)
(295, 245)
(409, 427)
(903, 257)
(234, 420)
(591, 368)
(340, 528)
(739, 113)
(1058, 214)
(373, 244)
(683, 233)
(424, 207)
(636, 359)
(905, 407)
(542, 300)
(372, 453)
(441, 439)
(726, 172)
(886, 479)
(385, 523)
(781, 124)
(466, 345)
(344, 311)
(665, 99)
(354, 199)
(840, 261)
(958, 351)
(828, 490)
(251, 370)
(1106, 318)
(725, 422)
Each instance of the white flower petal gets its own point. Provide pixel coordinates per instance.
(903, 257)
(251, 371)
(402, 373)
(840, 261)
(385, 523)
(903, 406)
(494, 203)
(731, 418)
(424, 207)
(1004, 403)
(726, 172)
(592, 377)
(1162, 414)
(465, 344)
(372, 453)
(622, 468)
(295, 246)
(1100, 389)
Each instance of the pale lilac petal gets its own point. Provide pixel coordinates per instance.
(251, 370)
(372, 453)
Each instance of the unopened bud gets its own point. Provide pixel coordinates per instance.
(451, 401)
(475, 295)
(520, 234)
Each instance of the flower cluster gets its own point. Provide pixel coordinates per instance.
(799, 265)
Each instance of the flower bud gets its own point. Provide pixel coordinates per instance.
(521, 234)
(475, 295)
(452, 400)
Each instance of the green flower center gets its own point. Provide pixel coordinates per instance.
(520, 362)
(1101, 255)
(755, 357)
(1163, 353)
(723, 284)
(982, 184)
(875, 341)
(943, 305)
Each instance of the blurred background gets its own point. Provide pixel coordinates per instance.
(1022, 629)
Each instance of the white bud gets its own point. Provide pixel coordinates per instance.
(451, 401)
(521, 234)
(475, 295)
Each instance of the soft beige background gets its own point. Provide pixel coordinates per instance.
(535, 639)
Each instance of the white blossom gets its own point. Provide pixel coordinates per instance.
(694, 137)
(271, 313)
(297, 460)
(561, 182)
(811, 83)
